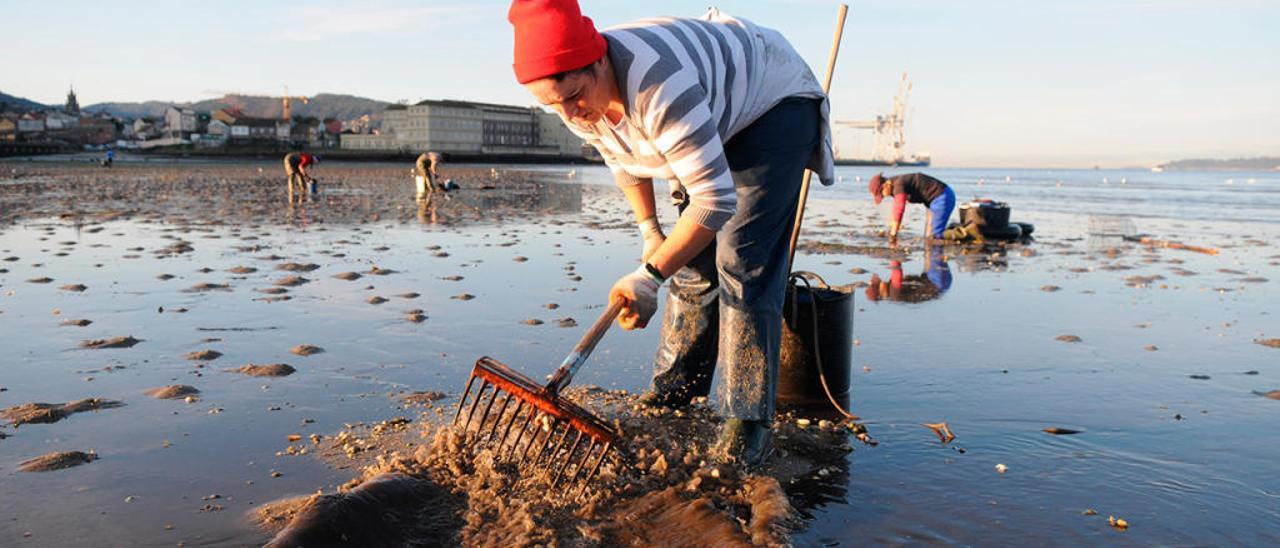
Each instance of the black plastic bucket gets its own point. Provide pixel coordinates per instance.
(817, 344)
(988, 215)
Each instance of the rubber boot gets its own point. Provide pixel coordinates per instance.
(955, 234)
(974, 232)
(746, 442)
(688, 347)
(748, 358)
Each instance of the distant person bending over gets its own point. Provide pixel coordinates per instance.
(109, 158)
(916, 188)
(428, 175)
(295, 166)
(426, 169)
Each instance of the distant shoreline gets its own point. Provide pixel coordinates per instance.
(372, 155)
(54, 154)
(1263, 163)
(214, 155)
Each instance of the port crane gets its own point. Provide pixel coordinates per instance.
(889, 129)
(285, 102)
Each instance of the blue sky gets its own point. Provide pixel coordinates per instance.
(997, 83)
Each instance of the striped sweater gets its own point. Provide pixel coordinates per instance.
(688, 86)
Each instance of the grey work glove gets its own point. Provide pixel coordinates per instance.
(653, 237)
(639, 290)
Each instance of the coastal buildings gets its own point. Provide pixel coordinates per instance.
(464, 129)
(553, 133)
(8, 130)
(306, 133)
(469, 129)
(59, 127)
(145, 128)
(55, 121)
(219, 128)
(179, 122)
(250, 129)
(30, 124)
(73, 105)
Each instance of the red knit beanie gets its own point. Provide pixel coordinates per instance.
(552, 36)
(873, 186)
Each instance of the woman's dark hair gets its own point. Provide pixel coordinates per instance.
(589, 69)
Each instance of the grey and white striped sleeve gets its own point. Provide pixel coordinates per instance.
(679, 122)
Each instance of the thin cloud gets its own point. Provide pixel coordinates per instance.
(1161, 5)
(311, 23)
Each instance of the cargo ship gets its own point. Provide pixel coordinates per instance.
(918, 160)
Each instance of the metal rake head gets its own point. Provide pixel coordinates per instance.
(550, 430)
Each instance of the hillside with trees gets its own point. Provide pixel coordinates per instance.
(13, 103)
(324, 105)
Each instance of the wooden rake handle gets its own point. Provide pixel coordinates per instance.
(826, 88)
(573, 362)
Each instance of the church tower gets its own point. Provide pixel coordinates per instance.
(73, 106)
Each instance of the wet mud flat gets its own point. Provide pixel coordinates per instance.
(221, 316)
(189, 347)
(662, 485)
(1066, 367)
(237, 192)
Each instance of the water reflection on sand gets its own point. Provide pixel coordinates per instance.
(1163, 383)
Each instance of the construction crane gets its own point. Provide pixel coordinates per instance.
(889, 129)
(285, 101)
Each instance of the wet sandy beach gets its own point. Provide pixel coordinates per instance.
(203, 347)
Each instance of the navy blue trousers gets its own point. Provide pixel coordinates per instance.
(724, 309)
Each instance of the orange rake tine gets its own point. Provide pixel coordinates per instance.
(568, 459)
(564, 436)
(587, 480)
(515, 416)
(463, 401)
(533, 442)
(474, 403)
(515, 445)
(586, 458)
(489, 407)
(497, 420)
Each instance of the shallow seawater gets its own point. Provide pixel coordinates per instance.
(1184, 460)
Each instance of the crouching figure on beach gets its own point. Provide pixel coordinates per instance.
(730, 115)
(916, 188)
(425, 174)
(295, 167)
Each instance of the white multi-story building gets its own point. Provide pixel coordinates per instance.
(30, 123)
(468, 128)
(60, 120)
(144, 129)
(220, 128)
(246, 129)
(179, 122)
(552, 132)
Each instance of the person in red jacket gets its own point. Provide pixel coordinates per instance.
(916, 188)
(295, 167)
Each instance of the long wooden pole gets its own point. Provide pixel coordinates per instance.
(826, 88)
